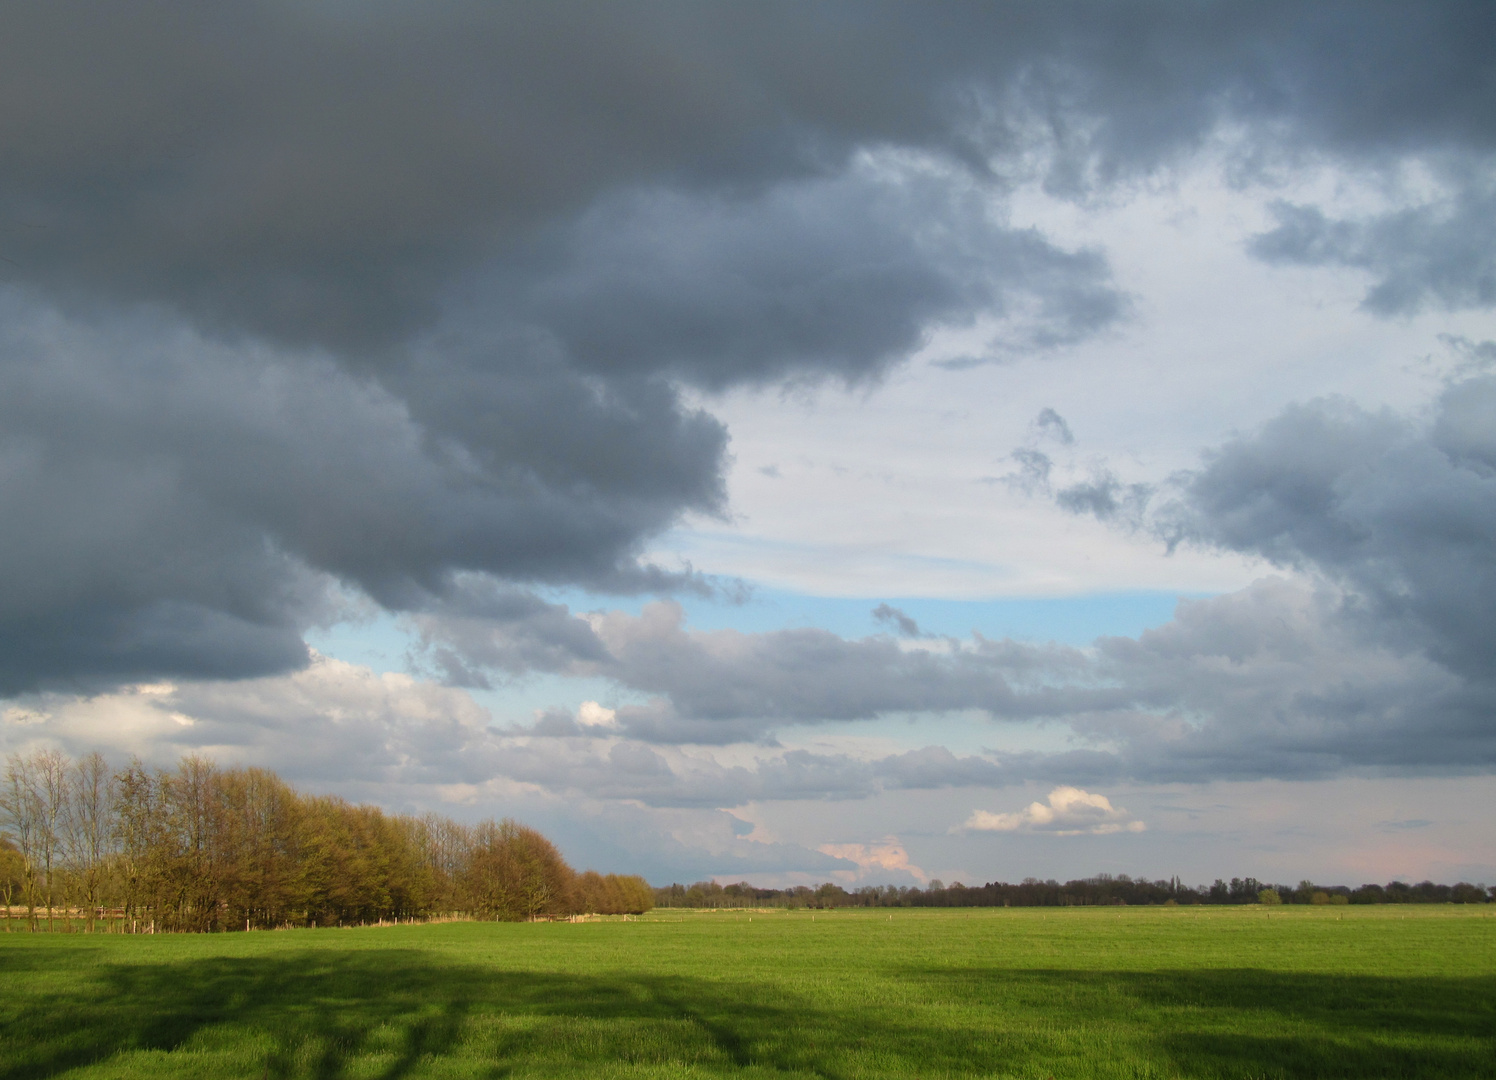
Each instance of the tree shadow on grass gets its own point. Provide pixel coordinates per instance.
(1255, 1023)
(390, 1013)
(387, 1011)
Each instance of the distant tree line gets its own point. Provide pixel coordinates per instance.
(1101, 890)
(199, 848)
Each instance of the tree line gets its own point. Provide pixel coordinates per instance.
(1101, 890)
(202, 848)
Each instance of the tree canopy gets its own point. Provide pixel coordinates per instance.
(200, 848)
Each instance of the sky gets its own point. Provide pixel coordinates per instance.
(795, 442)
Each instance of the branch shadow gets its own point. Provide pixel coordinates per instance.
(391, 1013)
(321, 1013)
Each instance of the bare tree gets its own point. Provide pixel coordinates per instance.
(448, 847)
(50, 770)
(20, 807)
(138, 823)
(88, 817)
(190, 796)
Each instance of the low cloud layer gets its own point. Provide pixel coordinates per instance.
(1281, 680)
(1286, 678)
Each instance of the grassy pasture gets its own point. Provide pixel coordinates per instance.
(1098, 992)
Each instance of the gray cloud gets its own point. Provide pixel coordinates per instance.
(1105, 497)
(347, 155)
(936, 767)
(1398, 511)
(725, 686)
(840, 275)
(1280, 680)
(1051, 423)
(1387, 663)
(484, 628)
(309, 300)
(1441, 254)
(1283, 680)
(180, 507)
(892, 616)
(1034, 468)
(341, 724)
(1376, 657)
(325, 174)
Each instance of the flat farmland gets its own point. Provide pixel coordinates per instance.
(1079, 992)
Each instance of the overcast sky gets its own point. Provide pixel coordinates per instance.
(862, 441)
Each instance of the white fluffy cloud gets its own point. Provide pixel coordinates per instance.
(1070, 811)
(591, 714)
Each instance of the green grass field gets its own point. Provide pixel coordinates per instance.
(1098, 992)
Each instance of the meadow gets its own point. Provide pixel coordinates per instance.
(1242, 992)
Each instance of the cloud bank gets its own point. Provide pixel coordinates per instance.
(1369, 656)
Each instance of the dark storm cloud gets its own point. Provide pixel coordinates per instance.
(837, 276)
(317, 171)
(325, 297)
(323, 172)
(181, 507)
